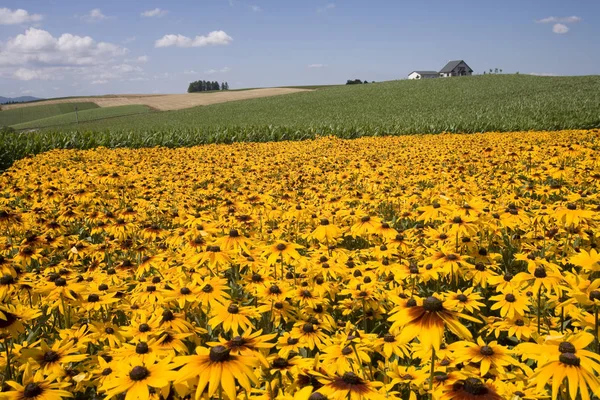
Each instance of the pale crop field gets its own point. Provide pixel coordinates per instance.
(167, 102)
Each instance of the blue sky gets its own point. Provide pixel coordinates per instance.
(63, 47)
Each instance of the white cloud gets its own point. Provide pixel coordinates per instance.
(157, 12)
(18, 16)
(543, 74)
(255, 8)
(24, 74)
(95, 15)
(317, 66)
(190, 72)
(126, 68)
(99, 82)
(142, 59)
(328, 6)
(214, 38)
(37, 46)
(560, 28)
(130, 39)
(217, 71)
(568, 20)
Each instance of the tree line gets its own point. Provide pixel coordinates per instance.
(356, 82)
(205, 86)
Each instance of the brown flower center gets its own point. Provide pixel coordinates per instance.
(139, 373)
(510, 298)
(350, 378)
(474, 386)
(433, 304)
(281, 247)
(51, 356)
(142, 348)
(569, 359)
(32, 390)
(567, 347)
(219, 354)
(486, 351)
(233, 309)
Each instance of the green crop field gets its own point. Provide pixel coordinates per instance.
(30, 113)
(467, 104)
(83, 116)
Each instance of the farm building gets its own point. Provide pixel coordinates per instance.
(423, 74)
(456, 68)
(453, 68)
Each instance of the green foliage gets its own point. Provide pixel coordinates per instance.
(207, 86)
(31, 113)
(466, 104)
(83, 116)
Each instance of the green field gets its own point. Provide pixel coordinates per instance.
(470, 104)
(30, 113)
(83, 116)
(466, 104)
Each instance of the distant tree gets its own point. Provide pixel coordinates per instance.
(226, 85)
(491, 70)
(366, 82)
(501, 70)
(484, 72)
(354, 82)
(517, 72)
(496, 71)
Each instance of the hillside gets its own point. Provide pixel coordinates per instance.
(468, 104)
(31, 113)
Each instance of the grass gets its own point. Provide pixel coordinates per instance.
(26, 114)
(470, 104)
(83, 116)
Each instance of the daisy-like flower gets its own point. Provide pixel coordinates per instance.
(135, 379)
(565, 357)
(281, 251)
(233, 317)
(217, 368)
(36, 387)
(365, 226)
(427, 320)
(52, 360)
(470, 389)
(489, 355)
(350, 386)
(511, 304)
(326, 232)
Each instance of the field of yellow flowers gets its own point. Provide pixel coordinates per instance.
(414, 267)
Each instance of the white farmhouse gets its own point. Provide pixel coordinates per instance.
(423, 74)
(453, 68)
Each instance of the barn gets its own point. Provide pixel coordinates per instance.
(423, 74)
(456, 68)
(453, 68)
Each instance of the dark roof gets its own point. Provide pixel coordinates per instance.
(425, 72)
(453, 64)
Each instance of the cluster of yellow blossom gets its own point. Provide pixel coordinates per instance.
(441, 266)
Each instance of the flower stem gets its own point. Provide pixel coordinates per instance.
(596, 329)
(8, 369)
(431, 372)
(539, 310)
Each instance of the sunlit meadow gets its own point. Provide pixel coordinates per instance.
(413, 267)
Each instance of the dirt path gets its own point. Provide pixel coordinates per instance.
(166, 102)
